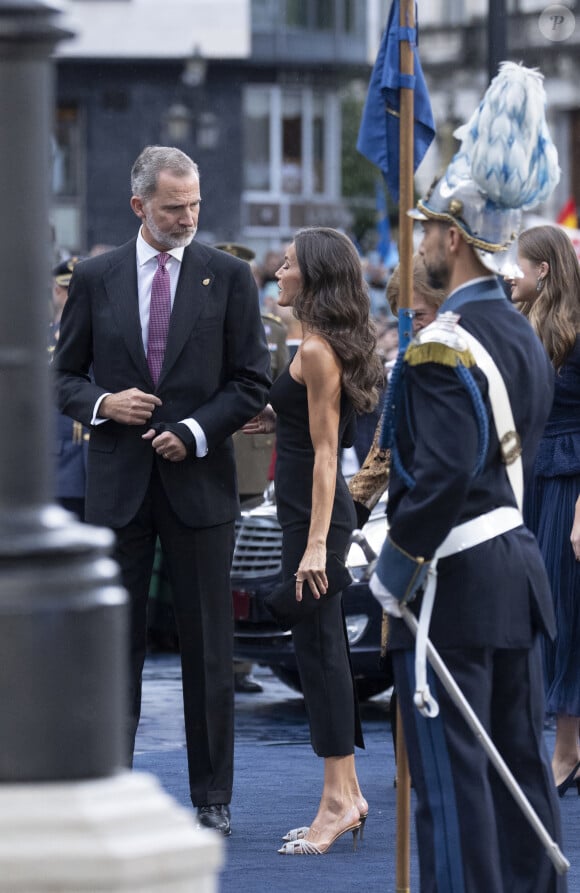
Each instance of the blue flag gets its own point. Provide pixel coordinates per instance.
(383, 225)
(386, 248)
(378, 138)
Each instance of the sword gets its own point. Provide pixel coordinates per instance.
(553, 851)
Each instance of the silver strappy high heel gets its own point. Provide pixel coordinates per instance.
(303, 847)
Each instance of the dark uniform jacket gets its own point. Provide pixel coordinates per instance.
(496, 593)
(71, 441)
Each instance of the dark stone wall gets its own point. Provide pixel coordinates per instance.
(122, 108)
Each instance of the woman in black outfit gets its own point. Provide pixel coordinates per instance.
(336, 373)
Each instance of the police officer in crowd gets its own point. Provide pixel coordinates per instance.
(71, 438)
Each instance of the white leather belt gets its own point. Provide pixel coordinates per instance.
(465, 536)
(477, 530)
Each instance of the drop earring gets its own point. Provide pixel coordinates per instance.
(540, 283)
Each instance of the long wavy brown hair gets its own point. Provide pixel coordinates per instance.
(334, 302)
(555, 314)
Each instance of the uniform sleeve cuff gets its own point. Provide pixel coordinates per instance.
(399, 572)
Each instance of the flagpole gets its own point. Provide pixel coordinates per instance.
(406, 196)
(406, 201)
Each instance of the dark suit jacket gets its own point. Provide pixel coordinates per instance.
(216, 370)
(497, 593)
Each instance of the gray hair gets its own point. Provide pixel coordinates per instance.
(153, 160)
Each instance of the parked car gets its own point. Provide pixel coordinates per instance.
(257, 569)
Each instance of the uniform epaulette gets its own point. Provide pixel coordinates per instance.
(273, 317)
(440, 343)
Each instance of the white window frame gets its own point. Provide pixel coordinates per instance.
(331, 187)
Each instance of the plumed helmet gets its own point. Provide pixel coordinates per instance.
(506, 163)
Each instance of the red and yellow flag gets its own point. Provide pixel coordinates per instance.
(568, 216)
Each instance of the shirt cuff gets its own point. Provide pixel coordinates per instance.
(95, 419)
(200, 438)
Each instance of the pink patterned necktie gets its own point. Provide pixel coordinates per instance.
(159, 313)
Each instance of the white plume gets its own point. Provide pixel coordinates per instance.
(506, 146)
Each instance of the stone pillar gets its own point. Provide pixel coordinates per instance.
(62, 609)
(70, 817)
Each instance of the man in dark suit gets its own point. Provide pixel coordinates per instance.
(172, 333)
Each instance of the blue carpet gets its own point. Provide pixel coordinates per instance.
(277, 786)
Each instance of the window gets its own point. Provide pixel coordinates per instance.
(324, 15)
(65, 153)
(287, 134)
(257, 139)
(349, 17)
(317, 15)
(67, 185)
(297, 13)
(318, 141)
(292, 143)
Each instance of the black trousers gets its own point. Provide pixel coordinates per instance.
(472, 837)
(323, 658)
(198, 564)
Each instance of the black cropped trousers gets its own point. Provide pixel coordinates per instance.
(323, 657)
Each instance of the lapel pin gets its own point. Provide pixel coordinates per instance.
(205, 282)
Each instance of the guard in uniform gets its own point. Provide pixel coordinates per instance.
(465, 411)
(71, 438)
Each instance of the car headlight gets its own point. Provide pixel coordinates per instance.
(356, 625)
(360, 554)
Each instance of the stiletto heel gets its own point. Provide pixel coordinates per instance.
(363, 819)
(569, 781)
(303, 847)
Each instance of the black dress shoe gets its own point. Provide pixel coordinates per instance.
(217, 816)
(246, 684)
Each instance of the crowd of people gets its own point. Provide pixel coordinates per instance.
(167, 360)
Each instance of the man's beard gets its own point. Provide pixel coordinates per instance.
(438, 275)
(169, 240)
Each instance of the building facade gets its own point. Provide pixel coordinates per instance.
(261, 115)
(253, 91)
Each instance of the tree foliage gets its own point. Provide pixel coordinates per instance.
(359, 176)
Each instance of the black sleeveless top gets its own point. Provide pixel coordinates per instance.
(295, 456)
